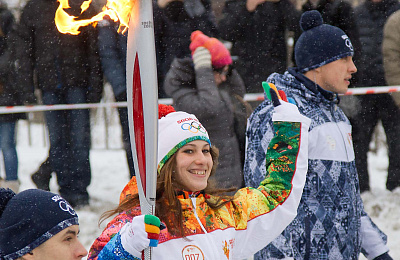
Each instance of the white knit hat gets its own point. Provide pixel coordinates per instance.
(174, 131)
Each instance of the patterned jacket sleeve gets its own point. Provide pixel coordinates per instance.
(107, 235)
(115, 250)
(268, 209)
(258, 136)
(373, 239)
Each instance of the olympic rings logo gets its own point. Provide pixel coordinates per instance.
(349, 45)
(347, 42)
(194, 127)
(64, 206)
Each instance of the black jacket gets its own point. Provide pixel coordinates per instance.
(258, 38)
(371, 18)
(173, 26)
(11, 93)
(59, 61)
(338, 13)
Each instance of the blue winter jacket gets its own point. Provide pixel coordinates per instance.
(331, 222)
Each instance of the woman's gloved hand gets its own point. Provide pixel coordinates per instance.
(285, 109)
(201, 58)
(276, 95)
(141, 233)
(279, 100)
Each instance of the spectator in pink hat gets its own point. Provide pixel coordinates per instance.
(205, 85)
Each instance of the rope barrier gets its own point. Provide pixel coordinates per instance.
(168, 101)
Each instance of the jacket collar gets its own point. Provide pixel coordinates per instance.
(182, 194)
(313, 87)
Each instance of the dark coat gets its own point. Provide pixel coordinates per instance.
(197, 93)
(258, 38)
(59, 61)
(173, 26)
(112, 49)
(371, 18)
(11, 94)
(338, 13)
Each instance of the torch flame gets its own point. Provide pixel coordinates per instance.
(117, 10)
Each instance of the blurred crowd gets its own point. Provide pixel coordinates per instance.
(38, 64)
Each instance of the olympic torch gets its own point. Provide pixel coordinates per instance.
(142, 96)
(142, 93)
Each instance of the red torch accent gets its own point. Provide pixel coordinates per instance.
(138, 122)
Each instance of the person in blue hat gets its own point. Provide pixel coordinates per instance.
(38, 225)
(331, 222)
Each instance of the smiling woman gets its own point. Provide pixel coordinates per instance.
(202, 222)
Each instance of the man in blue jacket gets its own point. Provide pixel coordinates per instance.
(331, 222)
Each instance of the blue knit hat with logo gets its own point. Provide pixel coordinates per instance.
(30, 218)
(320, 43)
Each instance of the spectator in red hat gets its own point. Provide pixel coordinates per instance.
(205, 85)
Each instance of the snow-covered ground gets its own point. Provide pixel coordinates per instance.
(110, 174)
